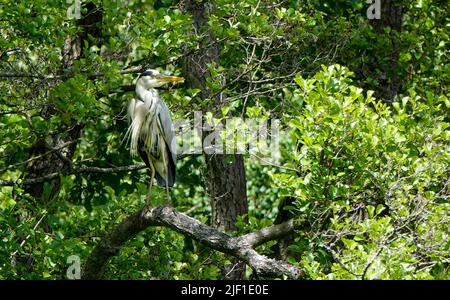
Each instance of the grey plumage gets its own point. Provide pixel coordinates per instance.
(151, 132)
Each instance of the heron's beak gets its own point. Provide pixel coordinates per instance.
(167, 79)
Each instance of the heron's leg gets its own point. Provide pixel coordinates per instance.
(150, 184)
(168, 202)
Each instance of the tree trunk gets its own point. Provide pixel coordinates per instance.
(51, 155)
(385, 65)
(54, 153)
(280, 249)
(225, 173)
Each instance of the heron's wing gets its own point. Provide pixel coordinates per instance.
(168, 130)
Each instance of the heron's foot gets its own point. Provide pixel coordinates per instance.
(148, 203)
(168, 201)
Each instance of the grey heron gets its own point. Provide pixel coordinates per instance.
(151, 132)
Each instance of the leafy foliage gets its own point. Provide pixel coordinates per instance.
(370, 178)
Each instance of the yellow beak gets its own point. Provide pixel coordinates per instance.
(170, 78)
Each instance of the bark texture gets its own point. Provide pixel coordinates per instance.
(385, 65)
(50, 155)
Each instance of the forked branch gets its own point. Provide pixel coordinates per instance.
(241, 247)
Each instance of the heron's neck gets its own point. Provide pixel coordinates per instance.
(144, 94)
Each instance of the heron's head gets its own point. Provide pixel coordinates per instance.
(153, 79)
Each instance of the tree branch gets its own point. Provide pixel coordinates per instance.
(240, 247)
(69, 73)
(54, 175)
(74, 171)
(271, 233)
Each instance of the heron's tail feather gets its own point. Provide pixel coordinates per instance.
(133, 133)
(159, 180)
(130, 116)
(127, 137)
(171, 173)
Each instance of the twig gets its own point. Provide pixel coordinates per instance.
(28, 236)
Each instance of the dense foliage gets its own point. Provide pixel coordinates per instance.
(369, 176)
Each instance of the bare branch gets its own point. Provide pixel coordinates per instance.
(271, 233)
(56, 149)
(74, 171)
(239, 247)
(68, 74)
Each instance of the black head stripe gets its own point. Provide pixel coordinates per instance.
(148, 72)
